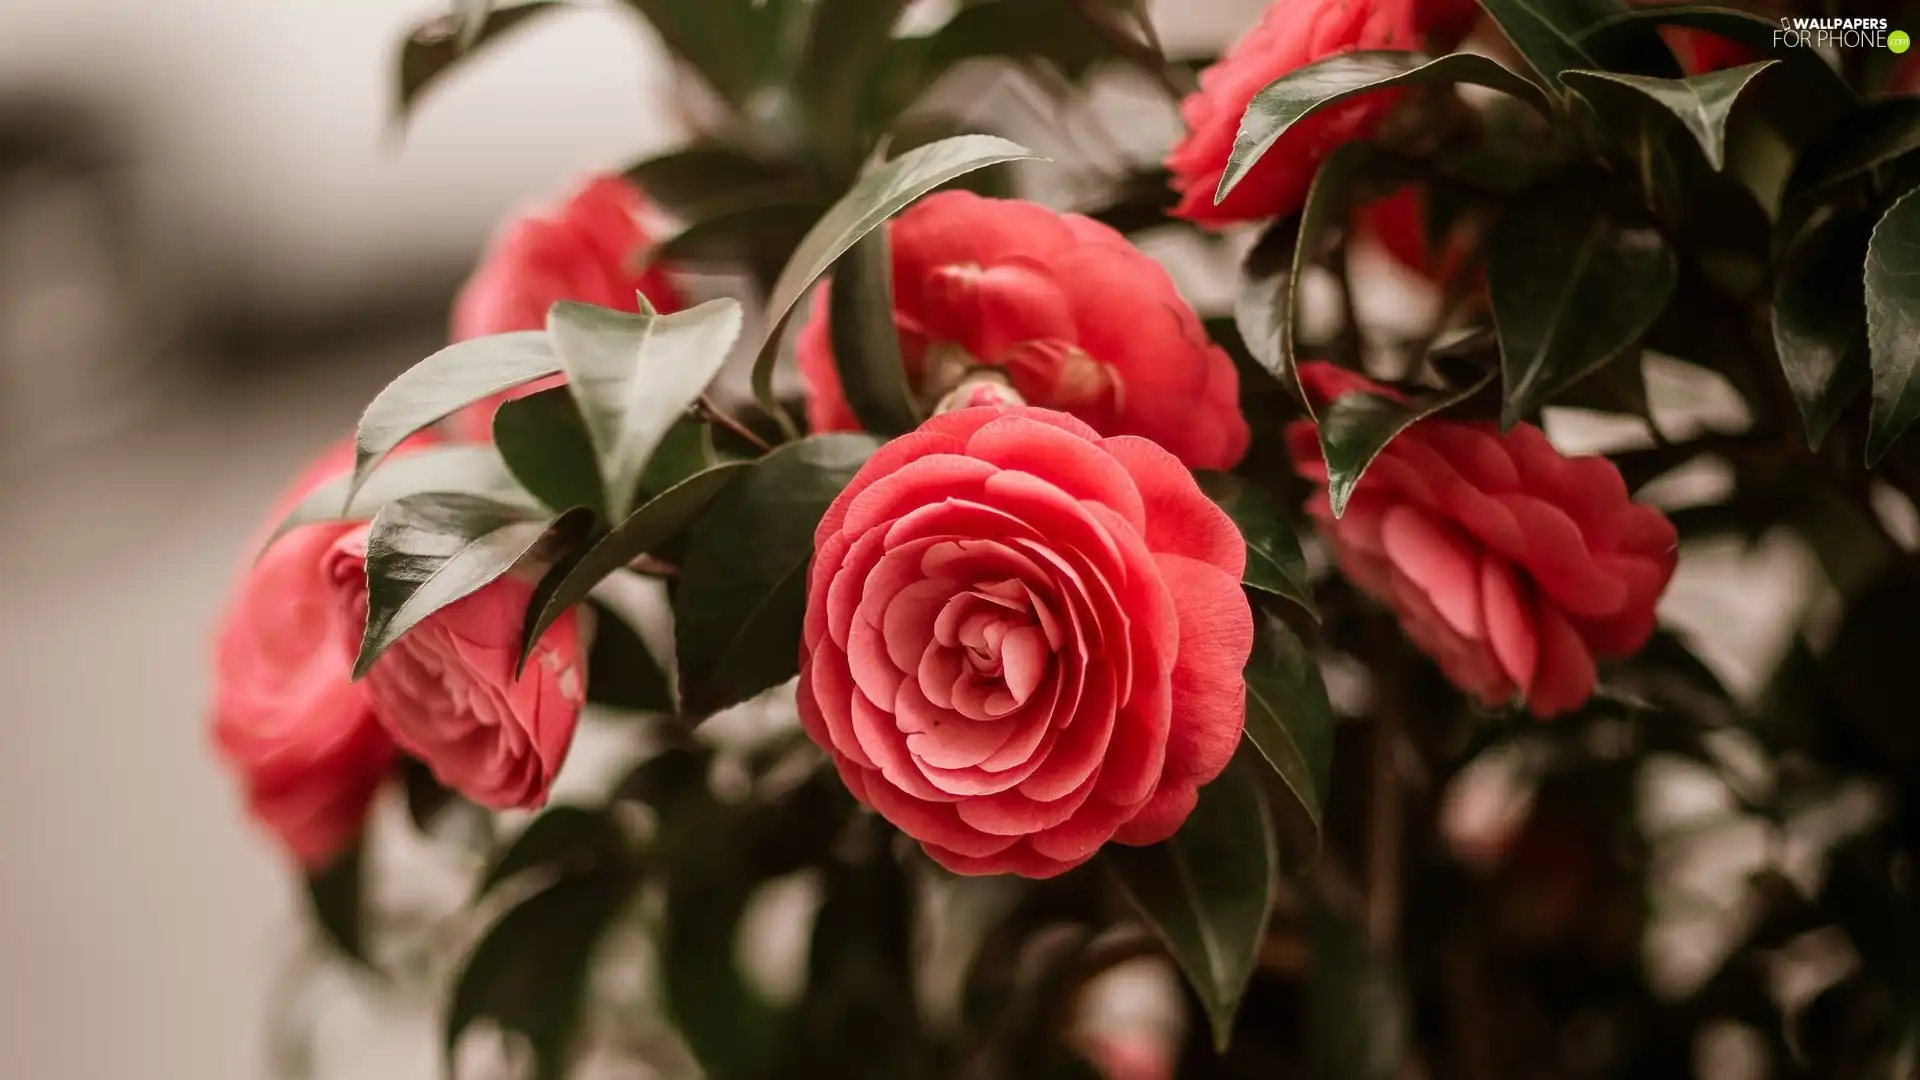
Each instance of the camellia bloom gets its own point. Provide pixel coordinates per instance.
(1291, 35)
(1398, 224)
(1512, 566)
(1024, 640)
(286, 717)
(447, 692)
(592, 249)
(1079, 319)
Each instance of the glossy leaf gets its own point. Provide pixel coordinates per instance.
(1819, 319)
(436, 47)
(467, 468)
(1356, 426)
(336, 898)
(1758, 34)
(634, 376)
(545, 443)
(733, 44)
(742, 591)
(1548, 33)
(427, 551)
(529, 974)
(572, 838)
(752, 232)
(444, 383)
(1274, 562)
(662, 518)
(847, 42)
(706, 174)
(1571, 290)
(1893, 323)
(1049, 31)
(1702, 103)
(878, 195)
(622, 673)
(866, 342)
(1874, 135)
(1304, 91)
(1289, 719)
(1207, 890)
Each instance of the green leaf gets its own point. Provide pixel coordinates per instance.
(1289, 719)
(1547, 33)
(1356, 426)
(575, 839)
(743, 589)
(1304, 91)
(1208, 889)
(866, 343)
(622, 672)
(441, 385)
(735, 45)
(529, 973)
(1049, 31)
(427, 551)
(1893, 323)
(435, 47)
(1357, 1015)
(634, 376)
(1571, 290)
(336, 898)
(1877, 133)
(1819, 319)
(545, 444)
(1702, 103)
(706, 174)
(1274, 562)
(468, 468)
(848, 40)
(662, 518)
(753, 232)
(878, 195)
(1741, 27)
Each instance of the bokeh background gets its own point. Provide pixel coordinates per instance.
(216, 243)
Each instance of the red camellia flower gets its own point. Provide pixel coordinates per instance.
(1512, 566)
(447, 692)
(300, 735)
(1079, 319)
(1024, 640)
(1291, 35)
(590, 250)
(1398, 224)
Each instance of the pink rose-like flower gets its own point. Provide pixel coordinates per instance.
(590, 249)
(1079, 319)
(1024, 640)
(1512, 566)
(1291, 35)
(446, 689)
(300, 735)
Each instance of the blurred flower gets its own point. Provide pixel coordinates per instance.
(1023, 640)
(1512, 566)
(447, 691)
(1398, 225)
(1078, 318)
(1291, 35)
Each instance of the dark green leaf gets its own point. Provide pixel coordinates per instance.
(545, 444)
(1702, 103)
(705, 174)
(663, 517)
(879, 195)
(467, 468)
(572, 839)
(1356, 426)
(1741, 27)
(1571, 290)
(848, 41)
(427, 551)
(622, 672)
(1819, 319)
(736, 45)
(688, 448)
(1872, 136)
(442, 384)
(1289, 719)
(1893, 323)
(1547, 32)
(755, 233)
(1208, 889)
(742, 591)
(529, 973)
(866, 343)
(1274, 562)
(336, 897)
(435, 47)
(1049, 31)
(1356, 1015)
(634, 376)
(1302, 92)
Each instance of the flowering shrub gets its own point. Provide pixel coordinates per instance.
(1284, 645)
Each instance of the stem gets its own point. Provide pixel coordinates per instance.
(719, 416)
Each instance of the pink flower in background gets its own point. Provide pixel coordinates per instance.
(286, 718)
(1513, 567)
(446, 689)
(1023, 640)
(591, 249)
(1291, 35)
(1398, 224)
(1079, 319)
